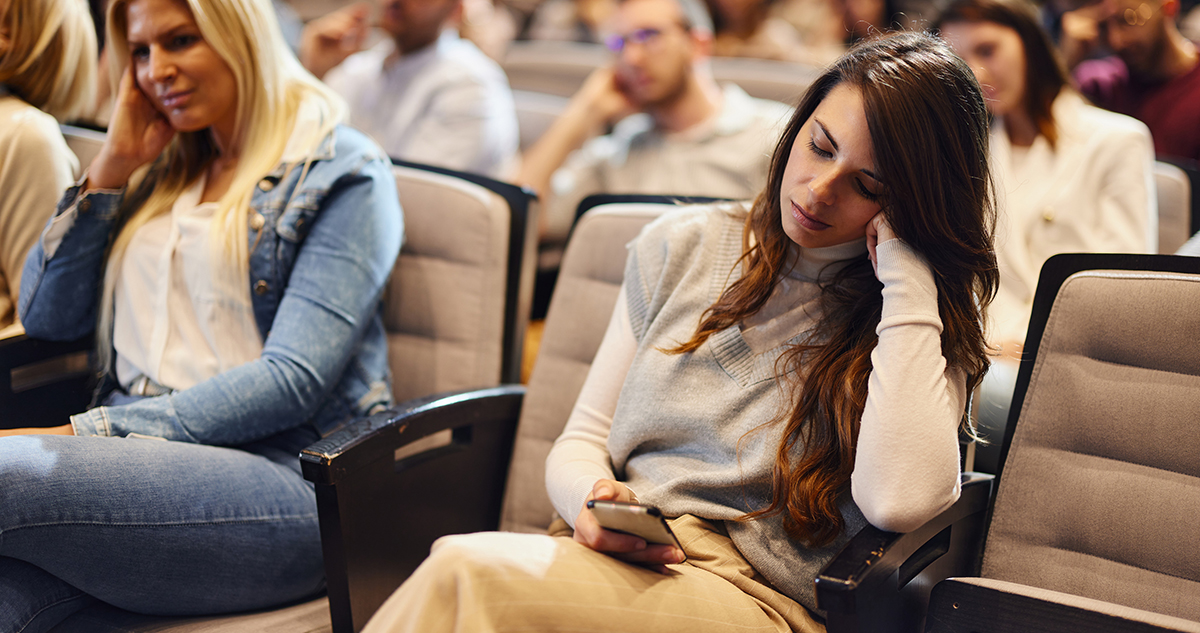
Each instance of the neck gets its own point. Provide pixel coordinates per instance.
(407, 46)
(222, 138)
(1020, 127)
(1179, 56)
(699, 101)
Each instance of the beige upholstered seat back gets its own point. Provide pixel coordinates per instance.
(1174, 206)
(444, 305)
(1100, 494)
(84, 142)
(591, 274)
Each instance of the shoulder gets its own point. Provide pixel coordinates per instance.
(360, 67)
(32, 138)
(1097, 128)
(27, 126)
(345, 155)
(686, 233)
(460, 61)
(743, 113)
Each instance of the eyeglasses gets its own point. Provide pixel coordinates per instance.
(648, 37)
(1131, 17)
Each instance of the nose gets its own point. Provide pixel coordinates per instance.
(161, 66)
(821, 187)
(633, 54)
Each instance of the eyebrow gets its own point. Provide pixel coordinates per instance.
(168, 33)
(833, 142)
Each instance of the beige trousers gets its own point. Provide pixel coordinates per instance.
(498, 581)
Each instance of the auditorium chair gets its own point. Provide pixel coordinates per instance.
(1094, 525)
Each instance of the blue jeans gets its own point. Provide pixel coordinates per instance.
(156, 527)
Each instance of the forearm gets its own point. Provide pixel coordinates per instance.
(279, 391)
(580, 456)
(906, 465)
(567, 134)
(60, 285)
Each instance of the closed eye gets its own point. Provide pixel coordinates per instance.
(864, 192)
(818, 151)
(180, 42)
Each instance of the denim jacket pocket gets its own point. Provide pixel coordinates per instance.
(299, 215)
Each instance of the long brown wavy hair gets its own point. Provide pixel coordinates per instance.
(928, 126)
(1045, 74)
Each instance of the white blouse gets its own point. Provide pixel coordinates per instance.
(182, 313)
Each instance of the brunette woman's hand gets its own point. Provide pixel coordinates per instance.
(137, 134)
(878, 232)
(629, 548)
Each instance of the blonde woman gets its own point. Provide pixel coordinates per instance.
(237, 315)
(47, 72)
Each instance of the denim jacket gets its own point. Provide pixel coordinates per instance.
(321, 252)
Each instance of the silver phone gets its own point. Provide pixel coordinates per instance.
(639, 520)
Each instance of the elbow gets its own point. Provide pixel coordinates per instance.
(898, 512)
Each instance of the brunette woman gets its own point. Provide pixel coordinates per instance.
(775, 376)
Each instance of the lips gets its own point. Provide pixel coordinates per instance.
(806, 220)
(175, 99)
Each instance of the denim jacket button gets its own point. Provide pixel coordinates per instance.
(261, 287)
(85, 205)
(266, 185)
(257, 221)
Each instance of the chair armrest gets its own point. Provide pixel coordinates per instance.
(869, 585)
(390, 484)
(981, 605)
(43, 383)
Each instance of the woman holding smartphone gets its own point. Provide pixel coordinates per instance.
(229, 246)
(775, 376)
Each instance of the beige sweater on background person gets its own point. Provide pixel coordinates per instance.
(36, 166)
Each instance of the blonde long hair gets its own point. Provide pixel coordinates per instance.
(271, 88)
(50, 61)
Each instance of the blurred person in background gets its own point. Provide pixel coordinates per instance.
(1153, 75)
(47, 75)
(1070, 177)
(491, 25)
(674, 130)
(425, 94)
(569, 20)
(748, 28)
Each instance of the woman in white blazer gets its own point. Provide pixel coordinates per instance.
(1070, 177)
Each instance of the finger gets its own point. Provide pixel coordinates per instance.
(653, 555)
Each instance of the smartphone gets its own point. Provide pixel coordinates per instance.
(645, 521)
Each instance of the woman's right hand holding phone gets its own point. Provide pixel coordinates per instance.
(629, 548)
(137, 134)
